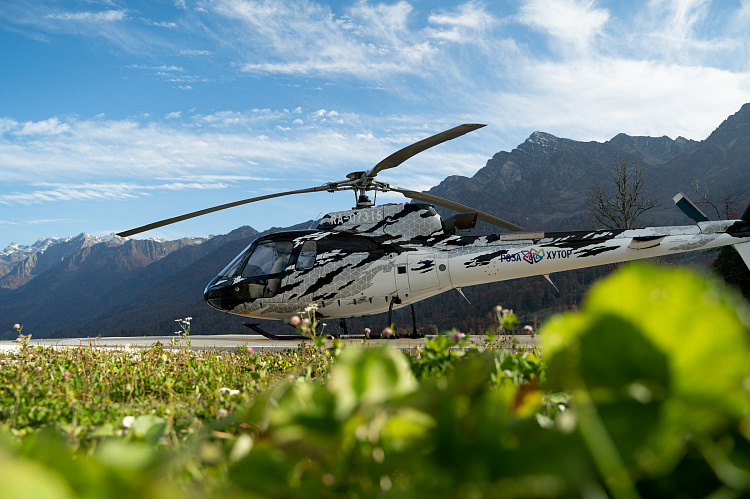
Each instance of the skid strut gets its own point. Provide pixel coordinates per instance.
(414, 332)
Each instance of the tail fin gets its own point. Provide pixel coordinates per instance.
(689, 208)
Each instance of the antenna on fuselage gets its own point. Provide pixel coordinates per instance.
(461, 292)
(317, 217)
(549, 280)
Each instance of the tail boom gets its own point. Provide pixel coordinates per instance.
(561, 251)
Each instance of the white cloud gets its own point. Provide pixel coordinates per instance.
(162, 68)
(680, 16)
(309, 39)
(50, 126)
(163, 24)
(655, 72)
(573, 23)
(91, 17)
(99, 191)
(69, 193)
(195, 52)
(97, 159)
(595, 99)
(467, 24)
(35, 222)
(223, 178)
(7, 124)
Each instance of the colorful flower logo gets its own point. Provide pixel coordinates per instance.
(533, 255)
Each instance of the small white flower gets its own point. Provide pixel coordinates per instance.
(127, 421)
(224, 389)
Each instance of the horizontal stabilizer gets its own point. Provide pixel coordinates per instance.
(689, 208)
(744, 250)
(645, 242)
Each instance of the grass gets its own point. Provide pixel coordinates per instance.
(79, 390)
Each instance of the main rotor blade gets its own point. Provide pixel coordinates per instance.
(407, 152)
(421, 196)
(194, 214)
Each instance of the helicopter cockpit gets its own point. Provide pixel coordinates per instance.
(260, 267)
(259, 270)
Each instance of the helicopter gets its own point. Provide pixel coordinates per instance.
(374, 259)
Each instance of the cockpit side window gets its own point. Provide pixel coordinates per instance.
(306, 258)
(269, 257)
(347, 243)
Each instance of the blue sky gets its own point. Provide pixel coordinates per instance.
(117, 113)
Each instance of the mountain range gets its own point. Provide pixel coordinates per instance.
(85, 286)
(544, 182)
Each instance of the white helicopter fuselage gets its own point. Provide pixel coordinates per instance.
(431, 271)
(372, 260)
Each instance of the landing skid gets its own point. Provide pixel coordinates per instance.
(346, 336)
(255, 327)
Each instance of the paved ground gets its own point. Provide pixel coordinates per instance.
(230, 341)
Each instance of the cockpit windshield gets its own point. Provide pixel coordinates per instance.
(232, 269)
(270, 257)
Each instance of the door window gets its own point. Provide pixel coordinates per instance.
(307, 255)
(270, 257)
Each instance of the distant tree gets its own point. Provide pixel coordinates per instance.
(619, 204)
(727, 208)
(431, 329)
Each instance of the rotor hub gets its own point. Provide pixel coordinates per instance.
(355, 175)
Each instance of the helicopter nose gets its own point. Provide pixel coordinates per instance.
(215, 294)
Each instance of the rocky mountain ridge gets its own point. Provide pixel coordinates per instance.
(543, 183)
(14, 250)
(20, 264)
